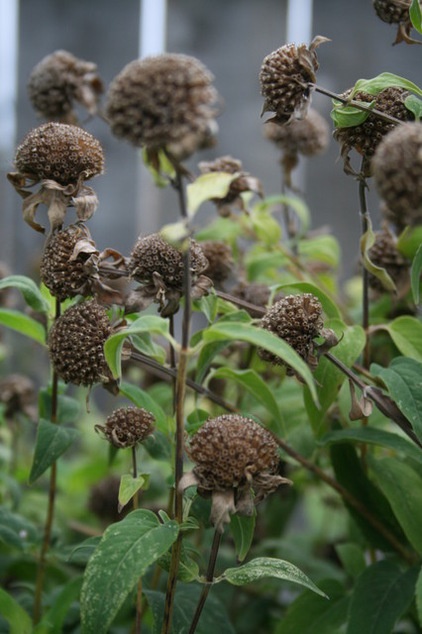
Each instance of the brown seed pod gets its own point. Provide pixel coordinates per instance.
(127, 426)
(308, 136)
(396, 12)
(384, 253)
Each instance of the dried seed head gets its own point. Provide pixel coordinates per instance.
(384, 253)
(309, 136)
(76, 343)
(366, 137)
(18, 395)
(104, 500)
(220, 260)
(254, 293)
(59, 152)
(286, 78)
(159, 101)
(298, 320)
(58, 81)
(127, 426)
(63, 264)
(392, 11)
(397, 167)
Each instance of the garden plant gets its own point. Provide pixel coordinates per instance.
(216, 433)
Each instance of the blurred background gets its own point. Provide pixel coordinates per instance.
(231, 37)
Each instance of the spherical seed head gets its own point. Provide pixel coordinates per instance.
(152, 254)
(220, 260)
(298, 320)
(309, 136)
(76, 344)
(392, 11)
(18, 395)
(230, 449)
(157, 101)
(59, 152)
(59, 80)
(62, 267)
(384, 253)
(397, 168)
(366, 137)
(285, 78)
(127, 426)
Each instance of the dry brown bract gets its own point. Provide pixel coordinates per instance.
(61, 158)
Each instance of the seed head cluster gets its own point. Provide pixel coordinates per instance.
(220, 260)
(76, 344)
(392, 11)
(308, 136)
(160, 100)
(127, 426)
(384, 253)
(60, 152)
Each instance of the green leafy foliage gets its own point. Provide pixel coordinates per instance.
(23, 324)
(18, 620)
(52, 441)
(242, 528)
(30, 291)
(206, 187)
(416, 273)
(406, 333)
(415, 14)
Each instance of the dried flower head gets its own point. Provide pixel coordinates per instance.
(243, 182)
(70, 265)
(18, 396)
(127, 426)
(298, 320)
(103, 500)
(397, 168)
(76, 344)
(220, 260)
(286, 78)
(233, 456)
(256, 294)
(58, 81)
(160, 101)
(396, 12)
(384, 254)
(160, 267)
(366, 137)
(62, 157)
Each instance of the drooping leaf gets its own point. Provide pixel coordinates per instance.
(18, 619)
(406, 332)
(23, 324)
(125, 552)
(403, 488)
(206, 187)
(52, 441)
(415, 14)
(415, 275)
(268, 567)
(30, 291)
(385, 80)
(223, 330)
(162, 171)
(414, 105)
(403, 379)
(366, 242)
(383, 593)
(242, 528)
(129, 486)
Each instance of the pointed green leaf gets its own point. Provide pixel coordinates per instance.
(366, 242)
(19, 621)
(403, 488)
(419, 597)
(404, 382)
(129, 486)
(414, 105)
(163, 171)
(30, 291)
(242, 528)
(329, 306)
(206, 187)
(54, 618)
(409, 241)
(268, 567)
(124, 554)
(415, 14)
(382, 594)
(52, 441)
(385, 80)
(296, 204)
(415, 275)
(406, 332)
(267, 229)
(23, 324)
(223, 330)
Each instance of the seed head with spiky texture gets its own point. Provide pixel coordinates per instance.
(232, 455)
(158, 101)
(58, 81)
(220, 260)
(396, 12)
(127, 426)
(286, 76)
(76, 344)
(397, 167)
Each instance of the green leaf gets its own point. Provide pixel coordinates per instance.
(415, 14)
(124, 554)
(406, 332)
(30, 291)
(294, 203)
(52, 441)
(382, 594)
(352, 558)
(419, 597)
(321, 248)
(403, 488)
(225, 229)
(366, 242)
(129, 486)
(19, 621)
(23, 324)
(16, 531)
(267, 229)
(253, 384)
(371, 436)
(409, 241)
(68, 408)
(415, 275)
(348, 116)
(223, 330)
(141, 398)
(329, 306)
(268, 567)
(242, 528)
(53, 621)
(206, 187)
(414, 105)
(145, 323)
(385, 80)
(163, 172)
(404, 382)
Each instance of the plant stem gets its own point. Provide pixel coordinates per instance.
(209, 578)
(365, 274)
(48, 526)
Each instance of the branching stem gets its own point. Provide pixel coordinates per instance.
(209, 579)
